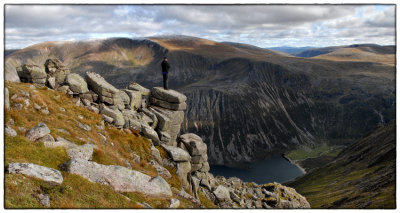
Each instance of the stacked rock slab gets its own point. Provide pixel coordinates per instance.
(32, 74)
(56, 72)
(168, 106)
(106, 92)
(197, 150)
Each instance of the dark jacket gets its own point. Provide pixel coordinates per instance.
(165, 66)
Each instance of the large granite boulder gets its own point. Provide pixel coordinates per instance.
(119, 178)
(135, 98)
(177, 154)
(107, 93)
(49, 175)
(76, 83)
(170, 96)
(32, 74)
(169, 121)
(167, 105)
(56, 69)
(37, 132)
(137, 87)
(197, 150)
(222, 193)
(116, 115)
(84, 152)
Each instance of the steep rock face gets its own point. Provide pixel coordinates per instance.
(361, 176)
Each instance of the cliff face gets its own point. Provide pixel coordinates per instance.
(362, 175)
(244, 101)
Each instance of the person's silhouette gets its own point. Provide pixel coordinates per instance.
(165, 67)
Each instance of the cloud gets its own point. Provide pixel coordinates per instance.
(261, 25)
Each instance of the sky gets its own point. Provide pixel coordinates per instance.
(260, 25)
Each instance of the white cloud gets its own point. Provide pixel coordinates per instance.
(261, 25)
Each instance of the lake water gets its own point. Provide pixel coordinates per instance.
(275, 168)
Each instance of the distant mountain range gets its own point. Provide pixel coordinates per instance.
(291, 50)
(246, 102)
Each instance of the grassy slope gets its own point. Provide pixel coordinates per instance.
(75, 191)
(360, 177)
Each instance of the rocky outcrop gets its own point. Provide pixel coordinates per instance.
(107, 93)
(32, 74)
(76, 84)
(49, 175)
(120, 178)
(56, 71)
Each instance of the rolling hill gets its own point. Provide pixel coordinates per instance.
(245, 102)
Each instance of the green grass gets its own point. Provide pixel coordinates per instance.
(306, 152)
(330, 184)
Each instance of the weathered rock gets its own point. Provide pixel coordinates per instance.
(295, 200)
(136, 158)
(83, 152)
(183, 169)
(175, 121)
(10, 122)
(45, 111)
(49, 175)
(194, 144)
(63, 89)
(37, 132)
(6, 98)
(44, 199)
(175, 203)
(18, 106)
(51, 82)
(235, 197)
(125, 100)
(156, 154)
(151, 134)
(84, 126)
(137, 87)
(33, 74)
(76, 83)
(195, 186)
(46, 139)
(206, 167)
(116, 115)
(86, 96)
(222, 193)
(160, 170)
(93, 109)
(60, 142)
(135, 98)
(55, 68)
(177, 154)
(163, 121)
(164, 137)
(120, 178)
(170, 96)
(10, 131)
(152, 118)
(164, 104)
(107, 92)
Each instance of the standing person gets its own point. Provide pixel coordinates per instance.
(165, 67)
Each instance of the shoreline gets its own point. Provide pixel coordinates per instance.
(294, 162)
